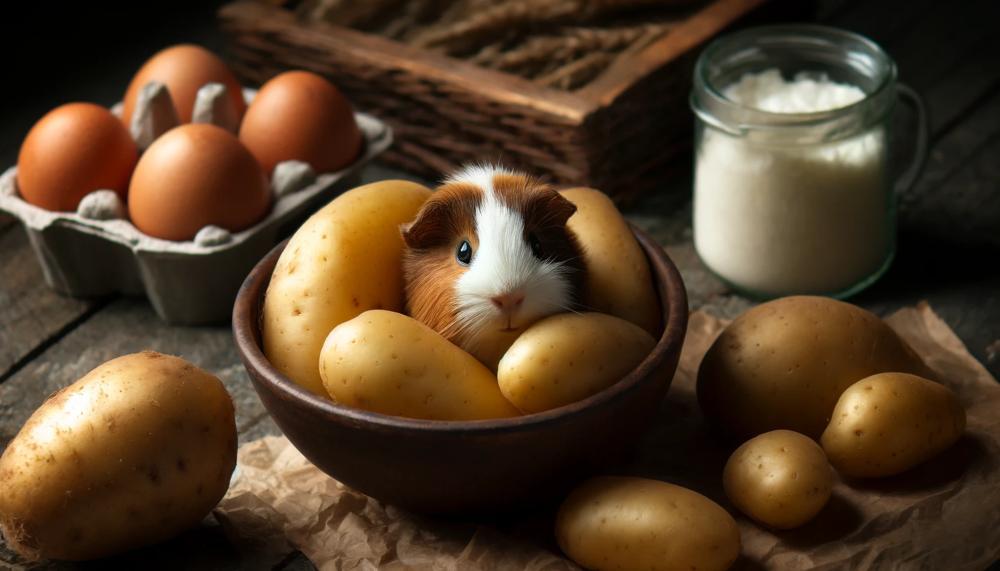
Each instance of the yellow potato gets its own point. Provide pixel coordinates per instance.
(491, 345)
(136, 451)
(568, 357)
(888, 423)
(633, 523)
(618, 279)
(346, 259)
(390, 363)
(784, 364)
(780, 478)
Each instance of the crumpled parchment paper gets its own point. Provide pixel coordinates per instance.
(944, 514)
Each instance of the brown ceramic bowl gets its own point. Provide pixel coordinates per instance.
(450, 467)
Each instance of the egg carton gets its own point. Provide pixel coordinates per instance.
(192, 282)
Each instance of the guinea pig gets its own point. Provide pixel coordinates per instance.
(489, 254)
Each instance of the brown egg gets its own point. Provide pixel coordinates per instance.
(299, 115)
(184, 69)
(195, 175)
(73, 150)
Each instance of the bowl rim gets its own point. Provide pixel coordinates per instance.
(246, 327)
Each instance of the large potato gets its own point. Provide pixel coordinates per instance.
(780, 478)
(888, 423)
(347, 258)
(139, 449)
(390, 363)
(784, 364)
(568, 357)
(618, 279)
(633, 523)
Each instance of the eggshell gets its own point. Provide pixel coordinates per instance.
(184, 69)
(301, 116)
(75, 149)
(193, 176)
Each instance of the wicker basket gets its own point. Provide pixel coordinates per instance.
(621, 133)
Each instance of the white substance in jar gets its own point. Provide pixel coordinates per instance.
(776, 219)
(807, 93)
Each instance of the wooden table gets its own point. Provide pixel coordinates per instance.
(949, 238)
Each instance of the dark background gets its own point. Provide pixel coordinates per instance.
(58, 52)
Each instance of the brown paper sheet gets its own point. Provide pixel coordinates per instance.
(944, 514)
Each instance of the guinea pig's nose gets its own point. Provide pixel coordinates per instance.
(508, 302)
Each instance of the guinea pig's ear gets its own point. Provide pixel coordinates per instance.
(562, 207)
(429, 229)
(552, 208)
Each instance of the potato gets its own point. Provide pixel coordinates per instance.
(888, 423)
(136, 451)
(613, 523)
(347, 258)
(390, 363)
(568, 357)
(491, 345)
(780, 478)
(784, 364)
(618, 279)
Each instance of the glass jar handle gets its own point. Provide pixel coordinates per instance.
(909, 176)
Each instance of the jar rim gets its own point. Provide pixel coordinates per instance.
(779, 120)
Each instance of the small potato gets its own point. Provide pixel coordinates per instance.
(784, 364)
(888, 423)
(390, 363)
(136, 451)
(780, 478)
(347, 258)
(626, 524)
(618, 279)
(568, 357)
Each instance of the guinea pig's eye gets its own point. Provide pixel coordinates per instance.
(464, 253)
(536, 246)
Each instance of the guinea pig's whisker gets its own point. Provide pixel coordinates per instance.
(570, 309)
(463, 323)
(564, 263)
(471, 319)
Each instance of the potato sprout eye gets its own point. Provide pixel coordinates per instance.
(464, 253)
(536, 246)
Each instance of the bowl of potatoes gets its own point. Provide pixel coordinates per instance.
(428, 464)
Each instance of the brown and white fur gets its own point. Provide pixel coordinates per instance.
(525, 263)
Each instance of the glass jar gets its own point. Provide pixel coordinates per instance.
(797, 203)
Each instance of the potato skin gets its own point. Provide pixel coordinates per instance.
(888, 423)
(781, 479)
(623, 524)
(784, 364)
(618, 279)
(347, 258)
(136, 451)
(491, 346)
(568, 357)
(390, 363)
